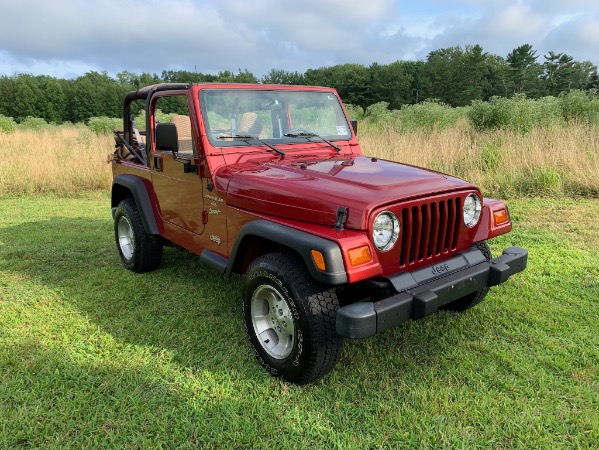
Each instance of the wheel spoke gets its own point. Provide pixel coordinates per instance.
(272, 321)
(126, 237)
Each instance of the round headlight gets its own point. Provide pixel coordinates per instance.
(385, 231)
(472, 209)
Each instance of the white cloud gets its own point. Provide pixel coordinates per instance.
(515, 21)
(578, 37)
(73, 36)
(501, 27)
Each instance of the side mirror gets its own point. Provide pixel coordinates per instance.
(354, 125)
(167, 138)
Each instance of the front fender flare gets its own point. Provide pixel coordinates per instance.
(303, 243)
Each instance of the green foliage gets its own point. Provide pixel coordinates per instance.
(242, 76)
(580, 106)
(522, 114)
(548, 111)
(428, 116)
(104, 125)
(558, 71)
(354, 112)
(134, 81)
(576, 188)
(575, 105)
(25, 99)
(140, 119)
(320, 120)
(182, 76)
(53, 100)
(175, 104)
(455, 76)
(489, 115)
(490, 157)
(524, 71)
(517, 114)
(352, 82)
(379, 116)
(377, 111)
(539, 181)
(96, 95)
(389, 83)
(278, 76)
(218, 122)
(33, 123)
(7, 124)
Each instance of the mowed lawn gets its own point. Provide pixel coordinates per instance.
(93, 356)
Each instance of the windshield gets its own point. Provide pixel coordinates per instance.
(273, 116)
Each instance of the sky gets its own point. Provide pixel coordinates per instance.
(67, 38)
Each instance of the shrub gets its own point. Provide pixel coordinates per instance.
(160, 117)
(524, 114)
(104, 125)
(33, 123)
(490, 157)
(580, 106)
(7, 124)
(549, 111)
(540, 180)
(379, 117)
(428, 116)
(516, 114)
(494, 114)
(140, 119)
(377, 112)
(355, 112)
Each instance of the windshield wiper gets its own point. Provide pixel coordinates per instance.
(249, 137)
(308, 135)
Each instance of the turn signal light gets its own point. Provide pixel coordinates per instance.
(318, 260)
(360, 255)
(500, 216)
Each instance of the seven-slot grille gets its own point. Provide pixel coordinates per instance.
(429, 230)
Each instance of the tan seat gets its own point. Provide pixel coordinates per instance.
(251, 124)
(183, 132)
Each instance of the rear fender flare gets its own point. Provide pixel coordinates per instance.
(139, 190)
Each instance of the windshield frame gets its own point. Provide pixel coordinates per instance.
(276, 106)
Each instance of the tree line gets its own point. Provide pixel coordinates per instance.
(456, 76)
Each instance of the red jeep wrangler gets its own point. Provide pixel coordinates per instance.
(270, 182)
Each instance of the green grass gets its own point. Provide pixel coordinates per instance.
(93, 356)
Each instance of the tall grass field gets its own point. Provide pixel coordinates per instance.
(65, 160)
(555, 161)
(509, 148)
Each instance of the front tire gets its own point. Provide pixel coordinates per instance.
(290, 319)
(139, 251)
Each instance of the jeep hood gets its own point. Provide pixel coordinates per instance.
(312, 191)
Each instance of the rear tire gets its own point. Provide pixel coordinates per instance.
(290, 319)
(139, 251)
(467, 302)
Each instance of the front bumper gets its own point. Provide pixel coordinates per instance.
(424, 291)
